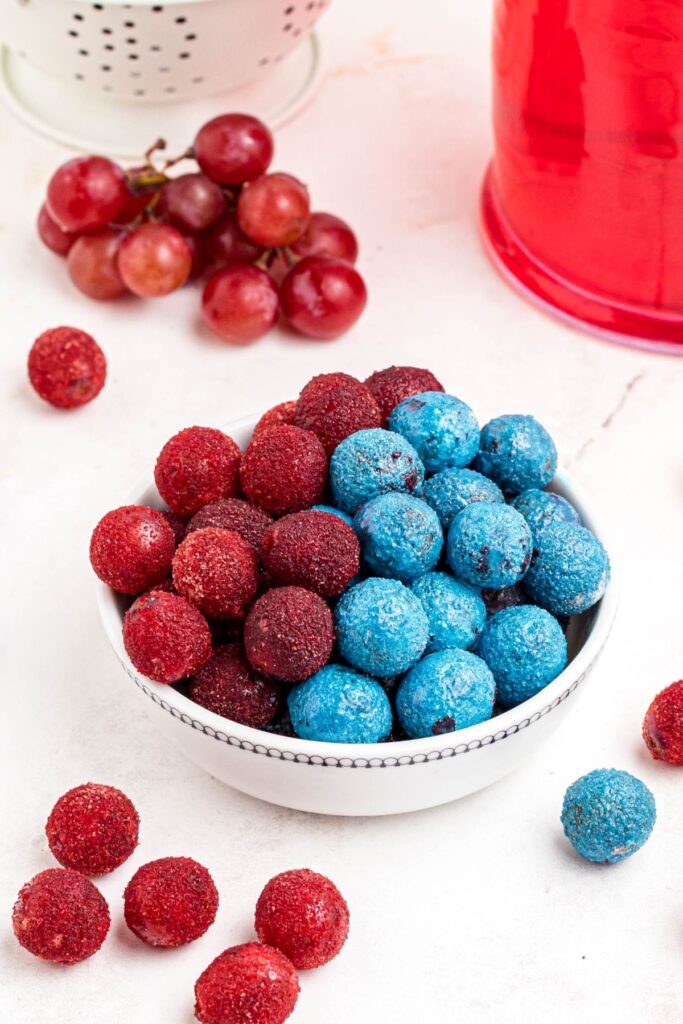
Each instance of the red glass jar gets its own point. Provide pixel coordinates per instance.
(583, 203)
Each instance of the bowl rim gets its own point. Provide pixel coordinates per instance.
(387, 753)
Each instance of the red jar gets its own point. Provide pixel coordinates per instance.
(583, 203)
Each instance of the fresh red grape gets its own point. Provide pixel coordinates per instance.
(274, 210)
(93, 264)
(322, 298)
(233, 148)
(227, 245)
(199, 256)
(327, 235)
(138, 198)
(240, 303)
(192, 202)
(154, 260)
(52, 235)
(86, 193)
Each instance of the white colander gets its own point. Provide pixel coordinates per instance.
(61, 53)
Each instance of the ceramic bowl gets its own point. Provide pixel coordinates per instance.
(367, 779)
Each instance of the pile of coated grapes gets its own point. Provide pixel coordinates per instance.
(250, 235)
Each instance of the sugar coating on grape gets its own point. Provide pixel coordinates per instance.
(442, 429)
(389, 387)
(541, 508)
(279, 416)
(381, 626)
(60, 916)
(217, 570)
(288, 634)
(284, 470)
(400, 535)
(313, 550)
(66, 367)
(456, 611)
(322, 298)
(197, 466)
(339, 705)
(92, 829)
(334, 405)
(166, 637)
(663, 725)
(372, 462)
(170, 902)
(517, 453)
(131, 548)
(607, 815)
(570, 569)
(489, 545)
(304, 915)
(525, 649)
(248, 984)
(228, 686)
(450, 490)
(234, 514)
(445, 691)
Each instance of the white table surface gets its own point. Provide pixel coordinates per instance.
(472, 912)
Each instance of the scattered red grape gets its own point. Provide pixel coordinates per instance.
(663, 725)
(322, 298)
(247, 984)
(304, 915)
(233, 148)
(86, 193)
(170, 902)
(61, 916)
(93, 265)
(154, 260)
(52, 235)
(240, 303)
(192, 202)
(327, 235)
(92, 829)
(66, 367)
(274, 210)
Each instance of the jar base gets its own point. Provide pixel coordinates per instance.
(599, 315)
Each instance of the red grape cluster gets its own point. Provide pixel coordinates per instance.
(250, 233)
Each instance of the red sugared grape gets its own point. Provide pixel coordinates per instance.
(228, 246)
(327, 235)
(154, 260)
(274, 210)
(192, 202)
(86, 193)
(52, 235)
(233, 148)
(240, 304)
(322, 298)
(93, 265)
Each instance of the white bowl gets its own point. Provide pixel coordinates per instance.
(377, 778)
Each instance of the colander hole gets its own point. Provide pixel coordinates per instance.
(156, 10)
(155, 49)
(169, 88)
(191, 37)
(164, 70)
(288, 27)
(78, 17)
(180, 21)
(108, 46)
(129, 24)
(132, 56)
(106, 88)
(139, 92)
(289, 10)
(184, 56)
(131, 42)
(84, 53)
(79, 76)
(198, 80)
(135, 74)
(264, 61)
(98, 7)
(106, 31)
(105, 67)
(73, 33)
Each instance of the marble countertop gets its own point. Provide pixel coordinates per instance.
(474, 911)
